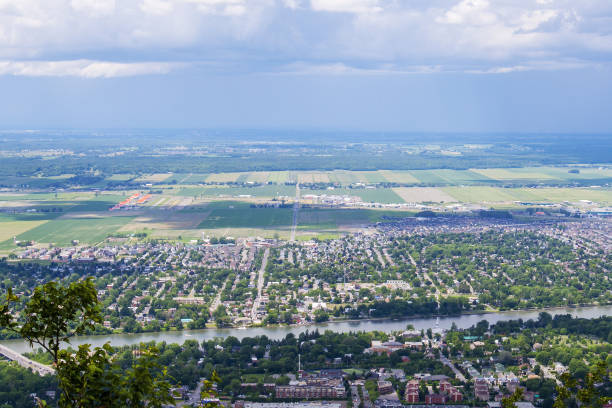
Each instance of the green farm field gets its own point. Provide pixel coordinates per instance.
(85, 230)
(474, 194)
(265, 191)
(228, 214)
(452, 177)
(13, 225)
(314, 219)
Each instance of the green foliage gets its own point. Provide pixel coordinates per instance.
(509, 401)
(54, 313)
(87, 378)
(17, 383)
(587, 392)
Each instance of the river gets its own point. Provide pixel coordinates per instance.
(386, 325)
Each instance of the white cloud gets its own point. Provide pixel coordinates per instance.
(531, 20)
(292, 4)
(221, 7)
(473, 12)
(94, 7)
(346, 6)
(84, 68)
(156, 7)
(267, 35)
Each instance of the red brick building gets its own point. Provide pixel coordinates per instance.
(435, 399)
(412, 391)
(481, 389)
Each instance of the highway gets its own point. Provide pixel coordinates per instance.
(26, 362)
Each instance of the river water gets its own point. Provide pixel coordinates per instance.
(386, 325)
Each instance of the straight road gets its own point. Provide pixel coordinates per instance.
(217, 300)
(296, 210)
(450, 364)
(260, 283)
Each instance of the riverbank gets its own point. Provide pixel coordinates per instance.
(444, 322)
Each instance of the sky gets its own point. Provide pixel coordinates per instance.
(398, 65)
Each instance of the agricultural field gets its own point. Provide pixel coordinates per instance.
(153, 220)
(394, 176)
(258, 177)
(279, 177)
(371, 177)
(423, 195)
(186, 178)
(121, 177)
(62, 231)
(230, 214)
(11, 226)
(367, 195)
(315, 219)
(343, 177)
(184, 205)
(265, 191)
(224, 177)
(435, 177)
(451, 177)
(313, 177)
(153, 178)
(473, 194)
(514, 174)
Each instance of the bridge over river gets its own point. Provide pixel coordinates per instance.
(26, 362)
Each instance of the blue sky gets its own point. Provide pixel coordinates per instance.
(412, 65)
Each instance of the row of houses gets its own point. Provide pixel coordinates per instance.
(315, 387)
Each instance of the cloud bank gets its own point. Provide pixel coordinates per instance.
(109, 38)
(84, 68)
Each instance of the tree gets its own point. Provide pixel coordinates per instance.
(586, 391)
(87, 378)
(221, 317)
(321, 316)
(509, 401)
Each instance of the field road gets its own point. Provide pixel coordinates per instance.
(296, 210)
(260, 283)
(26, 362)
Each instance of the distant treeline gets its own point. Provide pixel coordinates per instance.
(152, 153)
